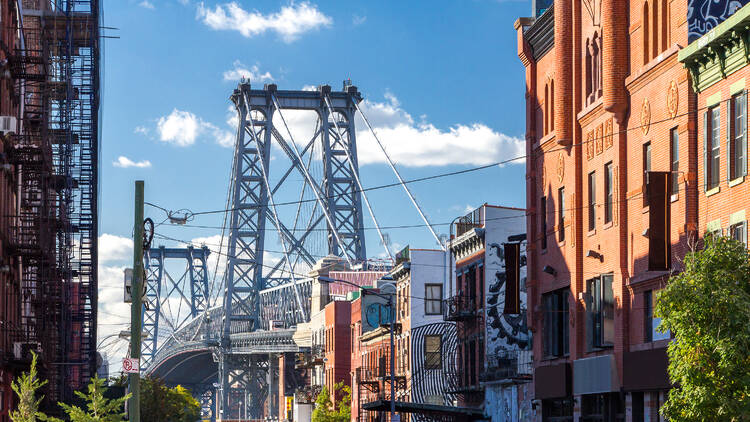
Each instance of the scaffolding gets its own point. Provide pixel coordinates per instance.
(55, 66)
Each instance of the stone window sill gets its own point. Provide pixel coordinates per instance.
(608, 225)
(736, 181)
(713, 191)
(675, 197)
(591, 232)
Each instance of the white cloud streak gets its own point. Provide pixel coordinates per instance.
(125, 162)
(289, 23)
(252, 74)
(146, 5)
(415, 143)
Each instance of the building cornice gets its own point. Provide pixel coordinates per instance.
(402, 271)
(720, 52)
(541, 34)
(468, 243)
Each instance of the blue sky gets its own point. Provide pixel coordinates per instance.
(441, 80)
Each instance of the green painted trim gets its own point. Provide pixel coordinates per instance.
(713, 100)
(737, 217)
(713, 226)
(722, 29)
(737, 87)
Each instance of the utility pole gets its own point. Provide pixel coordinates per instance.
(136, 291)
(393, 359)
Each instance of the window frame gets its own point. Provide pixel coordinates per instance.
(555, 328)
(430, 300)
(543, 221)
(608, 192)
(713, 148)
(429, 356)
(674, 159)
(600, 312)
(742, 228)
(646, 157)
(737, 148)
(561, 213)
(592, 200)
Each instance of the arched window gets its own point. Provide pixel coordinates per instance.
(552, 105)
(655, 29)
(646, 33)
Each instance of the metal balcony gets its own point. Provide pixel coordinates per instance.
(511, 365)
(459, 308)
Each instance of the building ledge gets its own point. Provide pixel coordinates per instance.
(407, 407)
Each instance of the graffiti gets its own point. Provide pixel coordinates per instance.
(504, 332)
(705, 15)
(377, 314)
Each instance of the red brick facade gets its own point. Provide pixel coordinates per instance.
(620, 99)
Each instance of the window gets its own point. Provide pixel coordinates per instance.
(592, 201)
(561, 213)
(674, 159)
(552, 105)
(555, 330)
(545, 117)
(737, 153)
(433, 299)
(712, 132)
(650, 322)
(738, 231)
(609, 195)
(646, 169)
(600, 312)
(543, 220)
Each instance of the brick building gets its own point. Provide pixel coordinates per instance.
(493, 364)
(609, 99)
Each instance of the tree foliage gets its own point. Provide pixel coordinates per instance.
(98, 408)
(707, 307)
(326, 411)
(160, 403)
(25, 388)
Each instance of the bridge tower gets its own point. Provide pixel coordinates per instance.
(320, 216)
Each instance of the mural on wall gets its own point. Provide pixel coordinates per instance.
(705, 15)
(509, 403)
(429, 385)
(504, 332)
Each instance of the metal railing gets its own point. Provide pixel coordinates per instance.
(509, 365)
(458, 308)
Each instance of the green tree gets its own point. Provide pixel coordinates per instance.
(25, 388)
(98, 408)
(162, 404)
(707, 308)
(326, 411)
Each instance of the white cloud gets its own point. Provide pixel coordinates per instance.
(251, 74)
(289, 23)
(415, 143)
(358, 20)
(146, 4)
(182, 128)
(143, 130)
(115, 248)
(125, 162)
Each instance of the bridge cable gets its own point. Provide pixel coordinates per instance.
(355, 172)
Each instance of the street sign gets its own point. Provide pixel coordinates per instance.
(130, 366)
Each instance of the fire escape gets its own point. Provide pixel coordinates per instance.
(55, 148)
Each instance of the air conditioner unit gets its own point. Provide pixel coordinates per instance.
(8, 124)
(22, 350)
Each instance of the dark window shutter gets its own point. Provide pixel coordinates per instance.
(659, 209)
(590, 315)
(743, 142)
(730, 126)
(705, 150)
(512, 253)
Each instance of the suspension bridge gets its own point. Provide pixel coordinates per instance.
(221, 342)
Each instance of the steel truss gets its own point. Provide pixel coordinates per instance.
(327, 164)
(189, 289)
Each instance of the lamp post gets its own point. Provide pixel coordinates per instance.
(392, 324)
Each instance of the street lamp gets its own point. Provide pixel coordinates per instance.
(392, 318)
